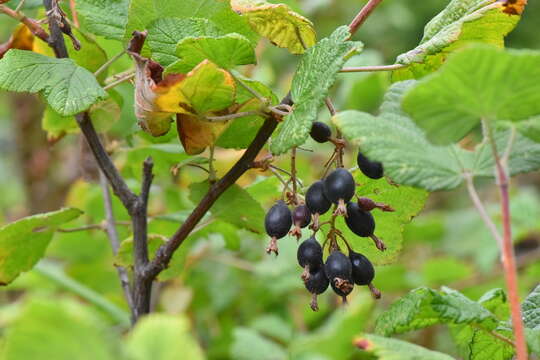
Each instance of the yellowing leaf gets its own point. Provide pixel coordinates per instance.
(204, 89)
(462, 22)
(21, 39)
(278, 23)
(196, 135)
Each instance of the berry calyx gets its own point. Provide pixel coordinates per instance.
(372, 169)
(339, 188)
(317, 202)
(277, 223)
(362, 224)
(338, 269)
(320, 132)
(301, 218)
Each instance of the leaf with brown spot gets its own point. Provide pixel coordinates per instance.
(461, 23)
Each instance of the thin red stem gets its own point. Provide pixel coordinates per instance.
(508, 256)
(362, 16)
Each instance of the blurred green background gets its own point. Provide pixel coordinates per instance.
(239, 302)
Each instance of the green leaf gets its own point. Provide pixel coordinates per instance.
(103, 114)
(459, 24)
(248, 213)
(477, 344)
(241, 132)
(394, 139)
(143, 12)
(250, 345)
(226, 51)
(315, 75)
(407, 203)
(531, 309)
(68, 88)
(165, 33)
(473, 85)
(278, 23)
(424, 307)
(162, 337)
(529, 128)
(58, 329)
(107, 18)
(23, 242)
(392, 349)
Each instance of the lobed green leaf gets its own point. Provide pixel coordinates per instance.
(67, 87)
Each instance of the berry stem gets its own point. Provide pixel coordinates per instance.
(293, 175)
(338, 142)
(376, 293)
(507, 249)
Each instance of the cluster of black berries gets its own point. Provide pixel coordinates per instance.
(339, 271)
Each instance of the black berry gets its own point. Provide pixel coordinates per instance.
(310, 254)
(320, 132)
(338, 269)
(317, 202)
(317, 283)
(339, 188)
(277, 223)
(362, 269)
(359, 221)
(362, 224)
(301, 218)
(372, 169)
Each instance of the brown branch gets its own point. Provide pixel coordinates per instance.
(30, 23)
(362, 16)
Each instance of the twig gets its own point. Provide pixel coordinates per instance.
(112, 233)
(231, 116)
(119, 81)
(362, 16)
(508, 257)
(31, 24)
(82, 228)
(293, 174)
(74, 14)
(20, 5)
(339, 145)
(481, 209)
(372, 68)
(104, 67)
(252, 91)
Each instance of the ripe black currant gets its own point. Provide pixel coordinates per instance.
(362, 224)
(339, 188)
(277, 222)
(372, 169)
(320, 132)
(316, 283)
(317, 202)
(301, 218)
(338, 269)
(310, 254)
(363, 272)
